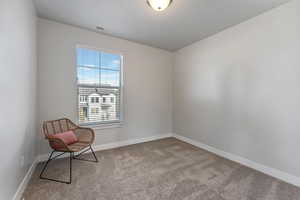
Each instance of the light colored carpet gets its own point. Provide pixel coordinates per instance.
(166, 169)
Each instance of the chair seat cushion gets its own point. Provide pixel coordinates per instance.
(68, 137)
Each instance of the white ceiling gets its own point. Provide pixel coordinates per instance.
(183, 23)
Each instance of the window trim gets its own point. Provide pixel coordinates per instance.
(107, 124)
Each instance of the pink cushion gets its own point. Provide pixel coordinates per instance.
(68, 137)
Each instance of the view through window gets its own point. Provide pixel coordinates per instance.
(99, 86)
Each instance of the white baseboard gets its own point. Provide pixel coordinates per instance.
(286, 177)
(130, 142)
(113, 145)
(24, 183)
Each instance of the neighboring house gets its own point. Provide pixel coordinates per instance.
(99, 105)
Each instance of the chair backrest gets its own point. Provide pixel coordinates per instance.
(57, 126)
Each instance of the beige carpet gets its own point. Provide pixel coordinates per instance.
(166, 169)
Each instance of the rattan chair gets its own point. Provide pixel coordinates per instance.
(85, 138)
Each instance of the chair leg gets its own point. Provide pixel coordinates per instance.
(48, 161)
(45, 166)
(96, 159)
(71, 158)
(77, 157)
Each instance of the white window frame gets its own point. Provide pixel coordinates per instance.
(109, 124)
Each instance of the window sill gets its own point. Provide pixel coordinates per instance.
(103, 126)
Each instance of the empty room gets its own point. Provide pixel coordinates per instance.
(150, 99)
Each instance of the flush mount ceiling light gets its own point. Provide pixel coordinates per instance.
(159, 5)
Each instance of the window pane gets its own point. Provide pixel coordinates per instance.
(87, 57)
(87, 75)
(110, 78)
(93, 111)
(110, 61)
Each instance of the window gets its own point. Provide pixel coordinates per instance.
(98, 78)
(92, 99)
(82, 98)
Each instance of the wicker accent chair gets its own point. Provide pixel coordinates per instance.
(85, 138)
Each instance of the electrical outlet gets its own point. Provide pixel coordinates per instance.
(22, 161)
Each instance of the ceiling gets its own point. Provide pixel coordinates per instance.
(184, 22)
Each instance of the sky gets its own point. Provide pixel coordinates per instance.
(93, 66)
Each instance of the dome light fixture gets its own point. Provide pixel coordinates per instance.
(159, 5)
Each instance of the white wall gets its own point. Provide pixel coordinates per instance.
(18, 92)
(147, 81)
(239, 90)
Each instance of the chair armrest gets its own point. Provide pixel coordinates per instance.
(85, 135)
(57, 144)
